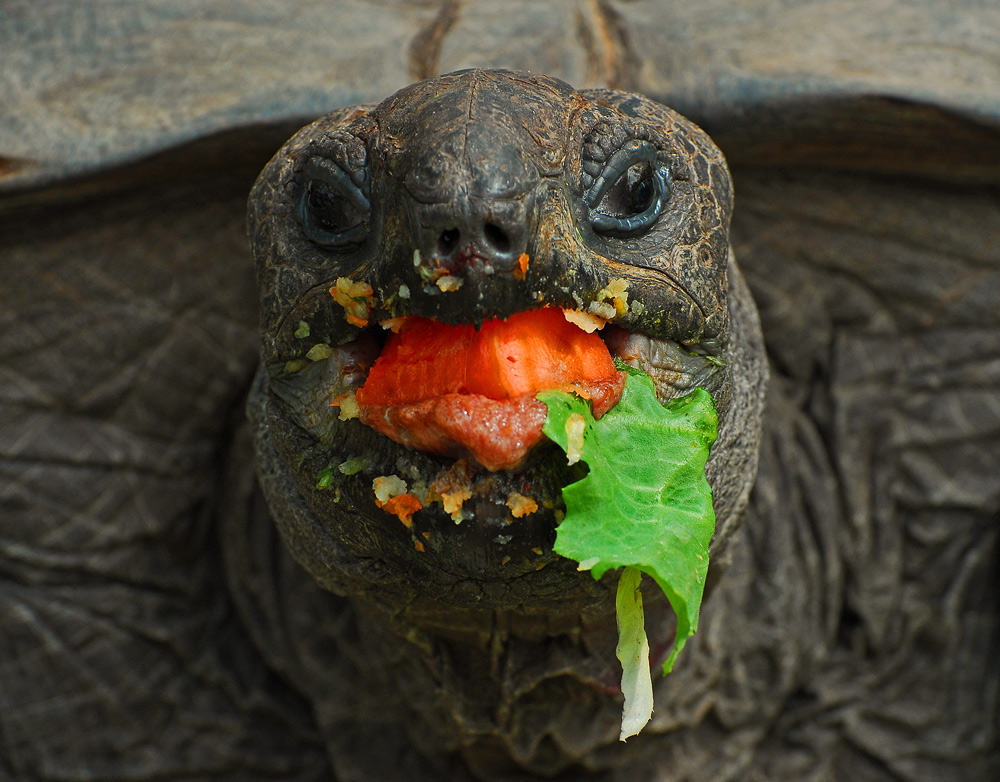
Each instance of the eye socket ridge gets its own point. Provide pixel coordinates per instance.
(630, 192)
(332, 209)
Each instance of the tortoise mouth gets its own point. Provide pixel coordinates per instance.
(463, 527)
(464, 432)
(462, 392)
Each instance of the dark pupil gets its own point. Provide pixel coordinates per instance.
(643, 194)
(329, 210)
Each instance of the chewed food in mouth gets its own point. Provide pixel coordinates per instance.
(459, 391)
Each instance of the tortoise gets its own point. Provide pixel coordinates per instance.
(161, 620)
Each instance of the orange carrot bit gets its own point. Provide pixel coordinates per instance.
(522, 266)
(403, 506)
(418, 546)
(392, 497)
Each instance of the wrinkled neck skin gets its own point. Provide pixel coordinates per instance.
(466, 693)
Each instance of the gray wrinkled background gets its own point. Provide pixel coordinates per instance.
(863, 137)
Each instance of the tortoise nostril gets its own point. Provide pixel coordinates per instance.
(447, 241)
(496, 237)
(474, 239)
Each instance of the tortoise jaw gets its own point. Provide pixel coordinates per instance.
(465, 547)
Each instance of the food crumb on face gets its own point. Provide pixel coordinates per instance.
(355, 298)
(585, 320)
(613, 298)
(348, 405)
(575, 425)
(522, 267)
(393, 324)
(453, 500)
(520, 505)
(454, 487)
(325, 478)
(352, 466)
(388, 486)
(392, 497)
(319, 352)
(601, 309)
(449, 283)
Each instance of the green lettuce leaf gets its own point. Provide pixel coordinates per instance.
(645, 502)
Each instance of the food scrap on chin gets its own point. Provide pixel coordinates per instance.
(391, 495)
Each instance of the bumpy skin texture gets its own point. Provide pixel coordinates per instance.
(861, 605)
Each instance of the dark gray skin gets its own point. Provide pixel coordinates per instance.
(854, 636)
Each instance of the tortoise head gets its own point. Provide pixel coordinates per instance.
(464, 200)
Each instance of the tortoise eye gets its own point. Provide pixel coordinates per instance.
(642, 194)
(630, 193)
(331, 208)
